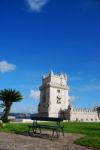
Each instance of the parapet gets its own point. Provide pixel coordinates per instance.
(85, 110)
(51, 74)
(52, 79)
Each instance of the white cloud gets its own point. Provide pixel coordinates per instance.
(35, 94)
(72, 98)
(36, 5)
(6, 67)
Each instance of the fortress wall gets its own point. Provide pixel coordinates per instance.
(84, 115)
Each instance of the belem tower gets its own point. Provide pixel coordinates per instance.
(55, 101)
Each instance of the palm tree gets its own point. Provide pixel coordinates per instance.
(8, 97)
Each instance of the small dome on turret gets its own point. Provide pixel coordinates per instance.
(65, 75)
(51, 73)
(61, 75)
(43, 77)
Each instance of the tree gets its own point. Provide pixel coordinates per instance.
(8, 97)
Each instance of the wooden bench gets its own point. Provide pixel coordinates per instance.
(56, 128)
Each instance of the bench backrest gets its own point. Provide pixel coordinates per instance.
(47, 119)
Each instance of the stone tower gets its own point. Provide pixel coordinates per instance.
(54, 99)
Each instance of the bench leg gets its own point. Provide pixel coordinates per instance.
(62, 131)
(57, 132)
(34, 130)
(28, 131)
(40, 131)
(53, 133)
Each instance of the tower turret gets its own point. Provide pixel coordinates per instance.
(51, 73)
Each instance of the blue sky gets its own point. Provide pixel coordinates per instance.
(39, 35)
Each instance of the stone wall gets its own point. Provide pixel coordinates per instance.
(86, 115)
(53, 95)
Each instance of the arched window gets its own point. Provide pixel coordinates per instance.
(58, 90)
(58, 100)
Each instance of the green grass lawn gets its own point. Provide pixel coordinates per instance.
(91, 131)
(14, 127)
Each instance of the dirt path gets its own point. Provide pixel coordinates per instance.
(10, 141)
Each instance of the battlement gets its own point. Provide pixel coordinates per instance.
(51, 74)
(84, 114)
(51, 79)
(85, 110)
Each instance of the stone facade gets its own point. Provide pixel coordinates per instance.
(53, 95)
(77, 114)
(55, 101)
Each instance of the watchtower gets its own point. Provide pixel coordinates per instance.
(54, 97)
